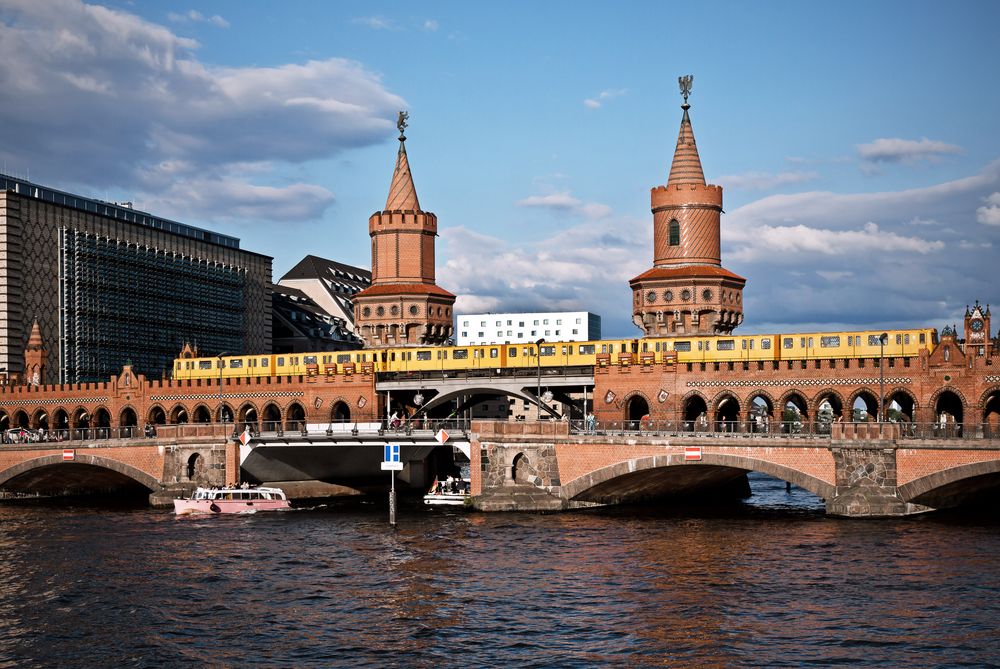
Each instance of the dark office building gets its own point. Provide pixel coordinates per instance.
(109, 285)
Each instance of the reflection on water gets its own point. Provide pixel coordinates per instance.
(773, 582)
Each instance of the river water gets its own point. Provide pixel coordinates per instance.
(772, 582)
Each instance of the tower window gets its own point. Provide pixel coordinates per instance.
(675, 233)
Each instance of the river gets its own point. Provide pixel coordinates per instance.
(772, 582)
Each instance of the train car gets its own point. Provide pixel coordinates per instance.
(863, 344)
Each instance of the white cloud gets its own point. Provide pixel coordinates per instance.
(764, 180)
(896, 150)
(100, 98)
(916, 220)
(430, 25)
(797, 242)
(599, 100)
(376, 22)
(833, 275)
(990, 214)
(195, 16)
(564, 202)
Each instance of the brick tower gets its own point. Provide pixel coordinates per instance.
(403, 306)
(36, 357)
(687, 291)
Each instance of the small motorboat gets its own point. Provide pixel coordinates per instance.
(450, 492)
(232, 500)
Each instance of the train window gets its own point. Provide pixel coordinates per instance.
(423, 355)
(204, 364)
(475, 353)
(827, 342)
(744, 344)
(281, 362)
(294, 360)
(802, 342)
(923, 338)
(787, 342)
(645, 347)
(263, 362)
(494, 353)
(708, 345)
(906, 339)
(682, 346)
(699, 346)
(235, 364)
(724, 345)
(178, 366)
(309, 360)
(587, 349)
(899, 339)
(460, 355)
(765, 344)
(873, 340)
(546, 350)
(751, 344)
(341, 359)
(512, 352)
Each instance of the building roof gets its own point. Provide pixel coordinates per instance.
(686, 167)
(314, 267)
(688, 272)
(296, 315)
(402, 193)
(405, 289)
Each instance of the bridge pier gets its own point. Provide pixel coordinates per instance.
(867, 481)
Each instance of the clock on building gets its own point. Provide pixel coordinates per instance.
(976, 324)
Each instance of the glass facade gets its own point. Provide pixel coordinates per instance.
(123, 301)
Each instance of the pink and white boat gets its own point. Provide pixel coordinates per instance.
(232, 500)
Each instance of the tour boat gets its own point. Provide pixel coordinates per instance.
(232, 500)
(451, 492)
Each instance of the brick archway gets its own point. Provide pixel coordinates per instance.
(26, 466)
(938, 480)
(573, 489)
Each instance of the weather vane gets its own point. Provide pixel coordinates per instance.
(685, 83)
(401, 123)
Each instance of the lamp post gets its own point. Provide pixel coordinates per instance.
(538, 394)
(220, 356)
(883, 339)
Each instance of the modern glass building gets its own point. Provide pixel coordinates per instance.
(109, 285)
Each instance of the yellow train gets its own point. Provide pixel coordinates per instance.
(672, 350)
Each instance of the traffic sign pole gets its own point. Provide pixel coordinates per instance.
(392, 500)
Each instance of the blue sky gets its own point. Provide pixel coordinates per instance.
(857, 143)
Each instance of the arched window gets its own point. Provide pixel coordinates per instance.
(675, 233)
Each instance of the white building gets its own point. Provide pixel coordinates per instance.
(475, 329)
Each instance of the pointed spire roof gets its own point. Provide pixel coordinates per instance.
(686, 168)
(35, 338)
(402, 194)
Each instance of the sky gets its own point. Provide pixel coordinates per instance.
(858, 143)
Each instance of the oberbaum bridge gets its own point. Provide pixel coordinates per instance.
(639, 426)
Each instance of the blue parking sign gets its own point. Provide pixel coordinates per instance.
(391, 453)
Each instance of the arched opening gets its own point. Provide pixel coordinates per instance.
(81, 419)
(899, 407)
(4, 421)
(695, 413)
(727, 414)
(637, 410)
(675, 233)
(761, 414)
(196, 467)
(865, 407)
(40, 420)
(991, 415)
(271, 418)
(340, 413)
(157, 416)
(517, 467)
(127, 418)
(20, 420)
(829, 410)
(295, 417)
(247, 414)
(949, 414)
(202, 414)
(225, 414)
(794, 414)
(102, 418)
(60, 420)
(179, 415)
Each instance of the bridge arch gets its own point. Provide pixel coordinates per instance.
(726, 409)
(830, 395)
(4, 421)
(695, 411)
(179, 415)
(128, 417)
(947, 487)
(869, 398)
(340, 411)
(636, 406)
(202, 414)
(295, 416)
(81, 465)
(40, 419)
(499, 389)
(156, 415)
(247, 414)
(271, 414)
(81, 418)
(989, 402)
(60, 419)
(948, 400)
(577, 488)
(19, 419)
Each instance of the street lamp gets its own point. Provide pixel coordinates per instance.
(538, 394)
(220, 356)
(883, 339)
